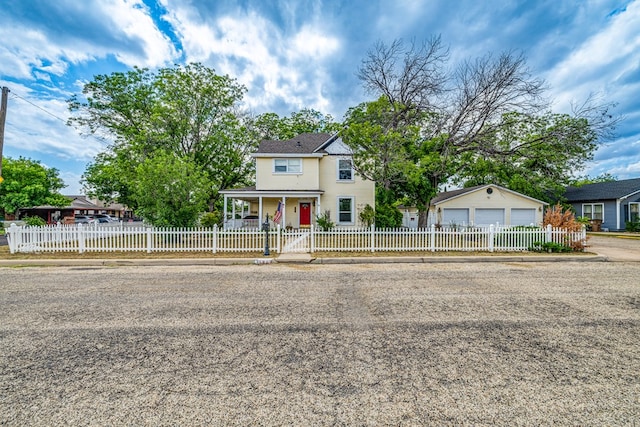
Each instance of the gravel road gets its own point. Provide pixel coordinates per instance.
(398, 344)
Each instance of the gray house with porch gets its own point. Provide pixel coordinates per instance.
(613, 203)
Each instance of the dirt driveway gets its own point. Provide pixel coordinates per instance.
(616, 247)
(399, 344)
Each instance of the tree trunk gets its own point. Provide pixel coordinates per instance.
(422, 219)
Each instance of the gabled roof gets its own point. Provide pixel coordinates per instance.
(447, 195)
(75, 202)
(603, 190)
(305, 143)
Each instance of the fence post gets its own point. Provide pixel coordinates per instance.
(549, 235)
(491, 237)
(432, 238)
(14, 237)
(81, 237)
(373, 237)
(278, 239)
(149, 239)
(214, 243)
(312, 247)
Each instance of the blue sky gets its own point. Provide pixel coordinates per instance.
(303, 54)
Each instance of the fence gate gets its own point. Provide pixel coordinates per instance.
(298, 241)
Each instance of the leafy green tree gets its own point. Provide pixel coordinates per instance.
(186, 111)
(28, 183)
(535, 155)
(387, 214)
(584, 180)
(488, 117)
(171, 190)
(271, 126)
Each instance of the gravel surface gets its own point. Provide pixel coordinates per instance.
(355, 345)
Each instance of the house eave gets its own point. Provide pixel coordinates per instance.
(272, 193)
(292, 155)
(484, 187)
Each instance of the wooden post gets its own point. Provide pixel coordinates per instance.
(3, 116)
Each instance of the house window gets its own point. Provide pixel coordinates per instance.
(634, 211)
(593, 211)
(345, 210)
(345, 170)
(287, 165)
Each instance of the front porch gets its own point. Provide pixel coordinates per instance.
(248, 207)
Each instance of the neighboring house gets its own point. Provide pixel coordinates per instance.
(78, 205)
(308, 175)
(613, 203)
(484, 205)
(115, 210)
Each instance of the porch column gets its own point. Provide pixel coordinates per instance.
(283, 220)
(233, 212)
(224, 213)
(260, 210)
(317, 206)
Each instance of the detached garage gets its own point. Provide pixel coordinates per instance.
(485, 205)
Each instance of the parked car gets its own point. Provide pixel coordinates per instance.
(83, 219)
(104, 218)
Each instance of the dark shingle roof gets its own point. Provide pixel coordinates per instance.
(603, 190)
(305, 143)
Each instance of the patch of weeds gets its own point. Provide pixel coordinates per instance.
(551, 247)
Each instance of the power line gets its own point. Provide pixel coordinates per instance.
(38, 107)
(99, 139)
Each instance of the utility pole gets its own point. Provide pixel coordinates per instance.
(3, 116)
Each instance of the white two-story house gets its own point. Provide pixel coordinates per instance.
(307, 175)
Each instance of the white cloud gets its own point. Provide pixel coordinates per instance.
(38, 126)
(130, 35)
(597, 64)
(276, 67)
(132, 18)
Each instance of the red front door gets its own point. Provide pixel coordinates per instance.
(305, 215)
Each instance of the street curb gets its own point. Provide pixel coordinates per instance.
(456, 259)
(124, 262)
(265, 261)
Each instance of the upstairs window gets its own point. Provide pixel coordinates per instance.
(287, 165)
(593, 211)
(345, 170)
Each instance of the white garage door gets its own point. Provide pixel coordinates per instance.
(523, 216)
(489, 216)
(452, 216)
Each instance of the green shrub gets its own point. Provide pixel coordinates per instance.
(387, 216)
(34, 221)
(324, 221)
(210, 219)
(368, 216)
(550, 247)
(633, 226)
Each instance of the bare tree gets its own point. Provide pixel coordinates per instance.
(484, 108)
(484, 90)
(411, 76)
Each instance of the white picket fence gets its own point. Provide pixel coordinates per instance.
(119, 238)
